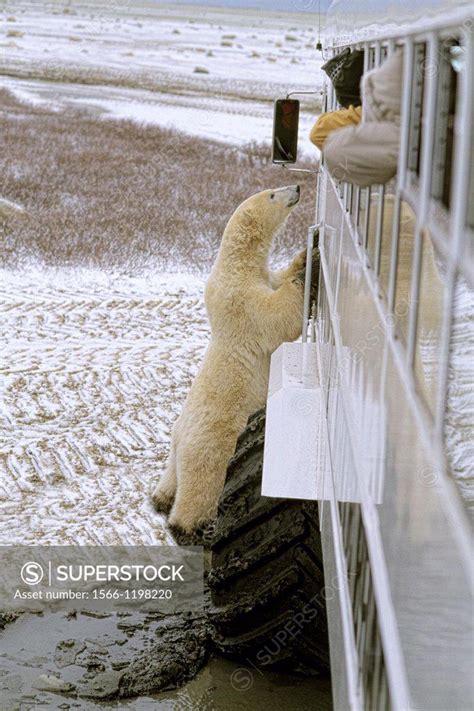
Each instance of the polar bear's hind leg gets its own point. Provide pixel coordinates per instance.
(201, 479)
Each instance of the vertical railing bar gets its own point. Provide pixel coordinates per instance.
(377, 671)
(356, 208)
(463, 127)
(330, 95)
(367, 216)
(392, 276)
(346, 196)
(366, 56)
(428, 126)
(350, 190)
(317, 207)
(439, 145)
(339, 259)
(377, 54)
(402, 165)
(414, 140)
(307, 282)
(379, 229)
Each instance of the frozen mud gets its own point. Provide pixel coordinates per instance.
(92, 663)
(105, 657)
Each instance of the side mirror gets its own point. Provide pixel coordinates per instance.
(285, 130)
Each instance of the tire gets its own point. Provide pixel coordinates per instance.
(266, 578)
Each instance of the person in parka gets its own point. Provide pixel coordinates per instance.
(367, 154)
(332, 120)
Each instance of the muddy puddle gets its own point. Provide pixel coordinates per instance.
(63, 661)
(226, 686)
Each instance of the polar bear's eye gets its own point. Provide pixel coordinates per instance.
(272, 196)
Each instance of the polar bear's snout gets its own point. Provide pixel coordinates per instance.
(295, 197)
(289, 195)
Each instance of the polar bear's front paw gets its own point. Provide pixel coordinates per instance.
(315, 266)
(298, 268)
(162, 500)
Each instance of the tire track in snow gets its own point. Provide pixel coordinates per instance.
(93, 374)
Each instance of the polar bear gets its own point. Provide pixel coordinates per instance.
(251, 312)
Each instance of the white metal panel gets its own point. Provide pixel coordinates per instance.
(294, 462)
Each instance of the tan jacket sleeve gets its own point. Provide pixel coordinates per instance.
(364, 155)
(333, 120)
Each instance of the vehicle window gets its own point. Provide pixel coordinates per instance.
(375, 206)
(406, 241)
(363, 215)
(420, 69)
(386, 236)
(371, 60)
(429, 322)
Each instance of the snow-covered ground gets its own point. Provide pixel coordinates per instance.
(209, 72)
(97, 365)
(227, 119)
(93, 373)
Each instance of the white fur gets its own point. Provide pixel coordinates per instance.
(251, 312)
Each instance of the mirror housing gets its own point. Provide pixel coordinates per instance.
(286, 115)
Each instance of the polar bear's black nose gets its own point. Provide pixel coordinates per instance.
(298, 189)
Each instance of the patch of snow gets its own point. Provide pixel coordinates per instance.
(118, 55)
(8, 207)
(94, 373)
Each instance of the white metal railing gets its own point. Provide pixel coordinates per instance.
(423, 515)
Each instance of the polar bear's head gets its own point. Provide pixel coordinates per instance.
(266, 211)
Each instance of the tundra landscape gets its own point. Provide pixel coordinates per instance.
(130, 132)
(114, 216)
